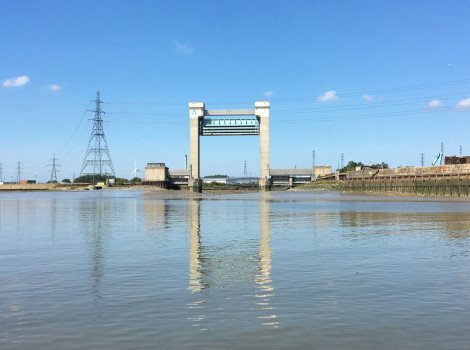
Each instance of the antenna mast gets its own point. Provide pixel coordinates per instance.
(97, 159)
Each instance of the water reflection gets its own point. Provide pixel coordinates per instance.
(195, 265)
(93, 214)
(362, 223)
(212, 268)
(155, 215)
(53, 207)
(266, 290)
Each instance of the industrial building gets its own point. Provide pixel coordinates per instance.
(157, 174)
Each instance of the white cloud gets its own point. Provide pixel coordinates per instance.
(269, 93)
(464, 104)
(14, 82)
(368, 97)
(54, 87)
(182, 48)
(328, 96)
(433, 104)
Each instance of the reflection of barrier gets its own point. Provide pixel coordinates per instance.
(209, 270)
(195, 275)
(264, 281)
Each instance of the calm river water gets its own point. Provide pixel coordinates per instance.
(302, 270)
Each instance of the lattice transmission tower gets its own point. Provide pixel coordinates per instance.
(442, 153)
(97, 159)
(18, 172)
(54, 170)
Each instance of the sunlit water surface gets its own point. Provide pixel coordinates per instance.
(325, 270)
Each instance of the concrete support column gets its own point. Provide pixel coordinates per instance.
(196, 113)
(262, 113)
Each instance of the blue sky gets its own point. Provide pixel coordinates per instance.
(374, 80)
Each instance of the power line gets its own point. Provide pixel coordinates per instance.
(378, 103)
(358, 116)
(314, 98)
(317, 119)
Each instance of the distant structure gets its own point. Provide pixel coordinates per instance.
(460, 149)
(342, 161)
(54, 166)
(245, 173)
(18, 172)
(97, 159)
(313, 159)
(422, 159)
(442, 153)
(225, 122)
(1, 172)
(456, 160)
(157, 174)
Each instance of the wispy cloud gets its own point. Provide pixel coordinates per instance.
(368, 97)
(328, 96)
(464, 104)
(54, 87)
(15, 82)
(269, 93)
(182, 48)
(433, 104)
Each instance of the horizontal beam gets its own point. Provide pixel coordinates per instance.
(228, 112)
(214, 127)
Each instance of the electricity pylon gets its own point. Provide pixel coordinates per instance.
(54, 166)
(97, 159)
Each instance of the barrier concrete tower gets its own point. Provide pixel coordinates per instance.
(262, 114)
(243, 125)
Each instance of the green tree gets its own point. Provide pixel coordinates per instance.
(136, 179)
(120, 181)
(92, 179)
(382, 165)
(351, 166)
(66, 181)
